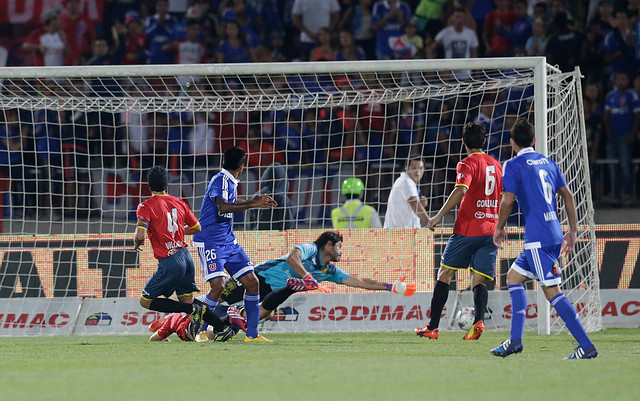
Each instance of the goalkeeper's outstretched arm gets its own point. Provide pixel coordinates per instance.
(398, 286)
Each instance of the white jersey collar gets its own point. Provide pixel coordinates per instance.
(526, 150)
(230, 176)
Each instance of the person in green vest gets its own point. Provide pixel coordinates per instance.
(354, 213)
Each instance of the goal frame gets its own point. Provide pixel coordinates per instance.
(537, 64)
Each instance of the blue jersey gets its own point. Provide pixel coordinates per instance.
(535, 179)
(622, 106)
(218, 228)
(276, 272)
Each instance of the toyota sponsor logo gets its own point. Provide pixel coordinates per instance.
(480, 215)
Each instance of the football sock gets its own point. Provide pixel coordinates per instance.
(252, 309)
(480, 298)
(518, 306)
(169, 306)
(210, 302)
(275, 298)
(211, 318)
(570, 317)
(440, 295)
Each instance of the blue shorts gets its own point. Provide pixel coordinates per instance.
(175, 273)
(216, 259)
(477, 253)
(539, 263)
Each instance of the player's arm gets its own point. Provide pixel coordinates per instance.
(295, 261)
(418, 208)
(242, 205)
(193, 230)
(156, 337)
(453, 200)
(572, 215)
(399, 286)
(506, 206)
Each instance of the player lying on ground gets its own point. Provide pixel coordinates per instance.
(301, 270)
(181, 324)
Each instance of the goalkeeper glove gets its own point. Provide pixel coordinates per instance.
(307, 283)
(402, 288)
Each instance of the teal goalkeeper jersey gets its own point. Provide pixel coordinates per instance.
(277, 271)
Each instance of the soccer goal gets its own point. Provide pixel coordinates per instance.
(76, 142)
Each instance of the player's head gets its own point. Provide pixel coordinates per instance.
(233, 158)
(415, 167)
(522, 133)
(352, 187)
(330, 243)
(158, 179)
(473, 135)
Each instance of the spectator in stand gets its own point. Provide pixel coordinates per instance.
(604, 15)
(499, 20)
(273, 182)
(189, 50)
(311, 15)
(159, 31)
(79, 29)
(565, 47)
(75, 163)
(361, 28)
(415, 42)
(102, 125)
(234, 47)
(134, 42)
(389, 17)
(348, 49)
(458, 42)
(429, 14)
(621, 121)
(619, 47)
(594, 130)
(324, 50)
(11, 163)
(522, 29)
(468, 20)
(180, 28)
(261, 151)
(49, 43)
(202, 137)
(276, 48)
(537, 43)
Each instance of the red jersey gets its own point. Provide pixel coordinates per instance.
(478, 213)
(175, 323)
(164, 218)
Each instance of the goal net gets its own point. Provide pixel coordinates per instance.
(75, 143)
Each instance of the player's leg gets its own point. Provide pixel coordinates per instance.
(457, 255)
(213, 262)
(482, 270)
(163, 282)
(547, 259)
(274, 299)
(241, 269)
(520, 270)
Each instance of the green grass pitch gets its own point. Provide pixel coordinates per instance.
(352, 366)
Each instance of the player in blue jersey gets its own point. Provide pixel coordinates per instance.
(533, 180)
(302, 269)
(217, 244)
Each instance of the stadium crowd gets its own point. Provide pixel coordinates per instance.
(602, 37)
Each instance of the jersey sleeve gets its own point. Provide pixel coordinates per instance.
(308, 249)
(560, 180)
(215, 190)
(143, 215)
(336, 274)
(189, 218)
(463, 174)
(409, 189)
(509, 177)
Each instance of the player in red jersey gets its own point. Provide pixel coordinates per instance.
(181, 324)
(478, 188)
(164, 218)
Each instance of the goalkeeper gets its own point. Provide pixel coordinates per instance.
(301, 270)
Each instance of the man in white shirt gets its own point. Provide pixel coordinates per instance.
(405, 208)
(458, 41)
(311, 15)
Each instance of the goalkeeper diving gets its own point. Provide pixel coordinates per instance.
(303, 269)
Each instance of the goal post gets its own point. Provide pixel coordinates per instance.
(76, 141)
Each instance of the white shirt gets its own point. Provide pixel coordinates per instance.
(399, 212)
(458, 45)
(315, 14)
(54, 49)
